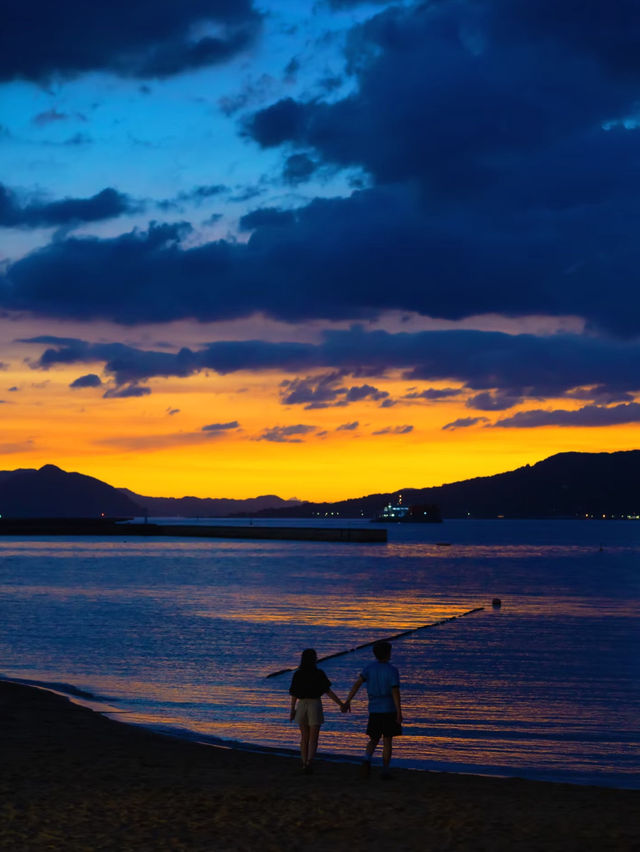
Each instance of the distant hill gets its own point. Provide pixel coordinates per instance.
(206, 507)
(52, 493)
(566, 485)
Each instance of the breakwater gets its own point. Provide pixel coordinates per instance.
(119, 527)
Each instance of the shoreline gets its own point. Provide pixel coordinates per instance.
(104, 707)
(72, 778)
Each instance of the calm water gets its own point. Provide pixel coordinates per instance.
(182, 633)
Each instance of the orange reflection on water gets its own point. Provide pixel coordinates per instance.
(454, 551)
(365, 611)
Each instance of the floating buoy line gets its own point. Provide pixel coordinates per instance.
(387, 638)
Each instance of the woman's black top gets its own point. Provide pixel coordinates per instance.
(309, 683)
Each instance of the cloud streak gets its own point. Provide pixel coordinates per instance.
(107, 204)
(464, 423)
(131, 391)
(588, 416)
(458, 263)
(394, 430)
(221, 427)
(511, 366)
(286, 434)
(88, 381)
(326, 391)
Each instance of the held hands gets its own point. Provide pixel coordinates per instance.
(346, 707)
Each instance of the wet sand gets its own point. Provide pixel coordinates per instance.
(71, 779)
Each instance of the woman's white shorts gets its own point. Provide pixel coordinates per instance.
(309, 712)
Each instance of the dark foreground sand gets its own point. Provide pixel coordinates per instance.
(73, 780)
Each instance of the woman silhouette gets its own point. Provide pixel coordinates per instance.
(308, 684)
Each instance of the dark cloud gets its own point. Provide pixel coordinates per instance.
(348, 427)
(314, 391)
(49, 116)
(13, 389)
(124, 362)
(201, 193)
(327, 390)
(291, 68)
(172, 411)
(126, 391)
(284, 121)
(590, 415)
(298, 168)
(339, 256)
(507, 122)
(348, 4)
(592, 28)
(254, 91)
(88, 381)
(493, 400)
(394, 430)
(512, 365)
(360, 392)
(450, 93)
(330, 83)
(433, 394)
(197, 195)
(51, 339)
(601, 395)
(286, 434)
(266, 217)
(246, 193)
(106, 204)
(464, 422)
(128, 364)
(78, 139)
(526, 365)
(221, 427)
(41, 40)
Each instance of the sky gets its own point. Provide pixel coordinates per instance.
(317, 249)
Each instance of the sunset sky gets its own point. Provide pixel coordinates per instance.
(317, 249)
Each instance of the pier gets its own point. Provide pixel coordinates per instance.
(120, 527)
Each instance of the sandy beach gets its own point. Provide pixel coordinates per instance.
(71, 779)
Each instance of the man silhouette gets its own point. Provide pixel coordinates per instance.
(385, 711)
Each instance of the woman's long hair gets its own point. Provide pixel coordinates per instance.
(308, 659)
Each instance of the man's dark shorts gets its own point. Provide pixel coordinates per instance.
(383, 725)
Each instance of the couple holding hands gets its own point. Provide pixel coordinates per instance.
(309, 683)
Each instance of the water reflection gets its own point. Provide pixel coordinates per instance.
(182, 632)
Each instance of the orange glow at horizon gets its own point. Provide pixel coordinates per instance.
(138, 444)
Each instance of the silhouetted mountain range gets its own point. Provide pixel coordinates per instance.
(205, 507)
(564, 485)
(53, 493)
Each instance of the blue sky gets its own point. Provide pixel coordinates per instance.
(159, 139)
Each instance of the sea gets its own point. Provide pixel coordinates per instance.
(182, 634)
